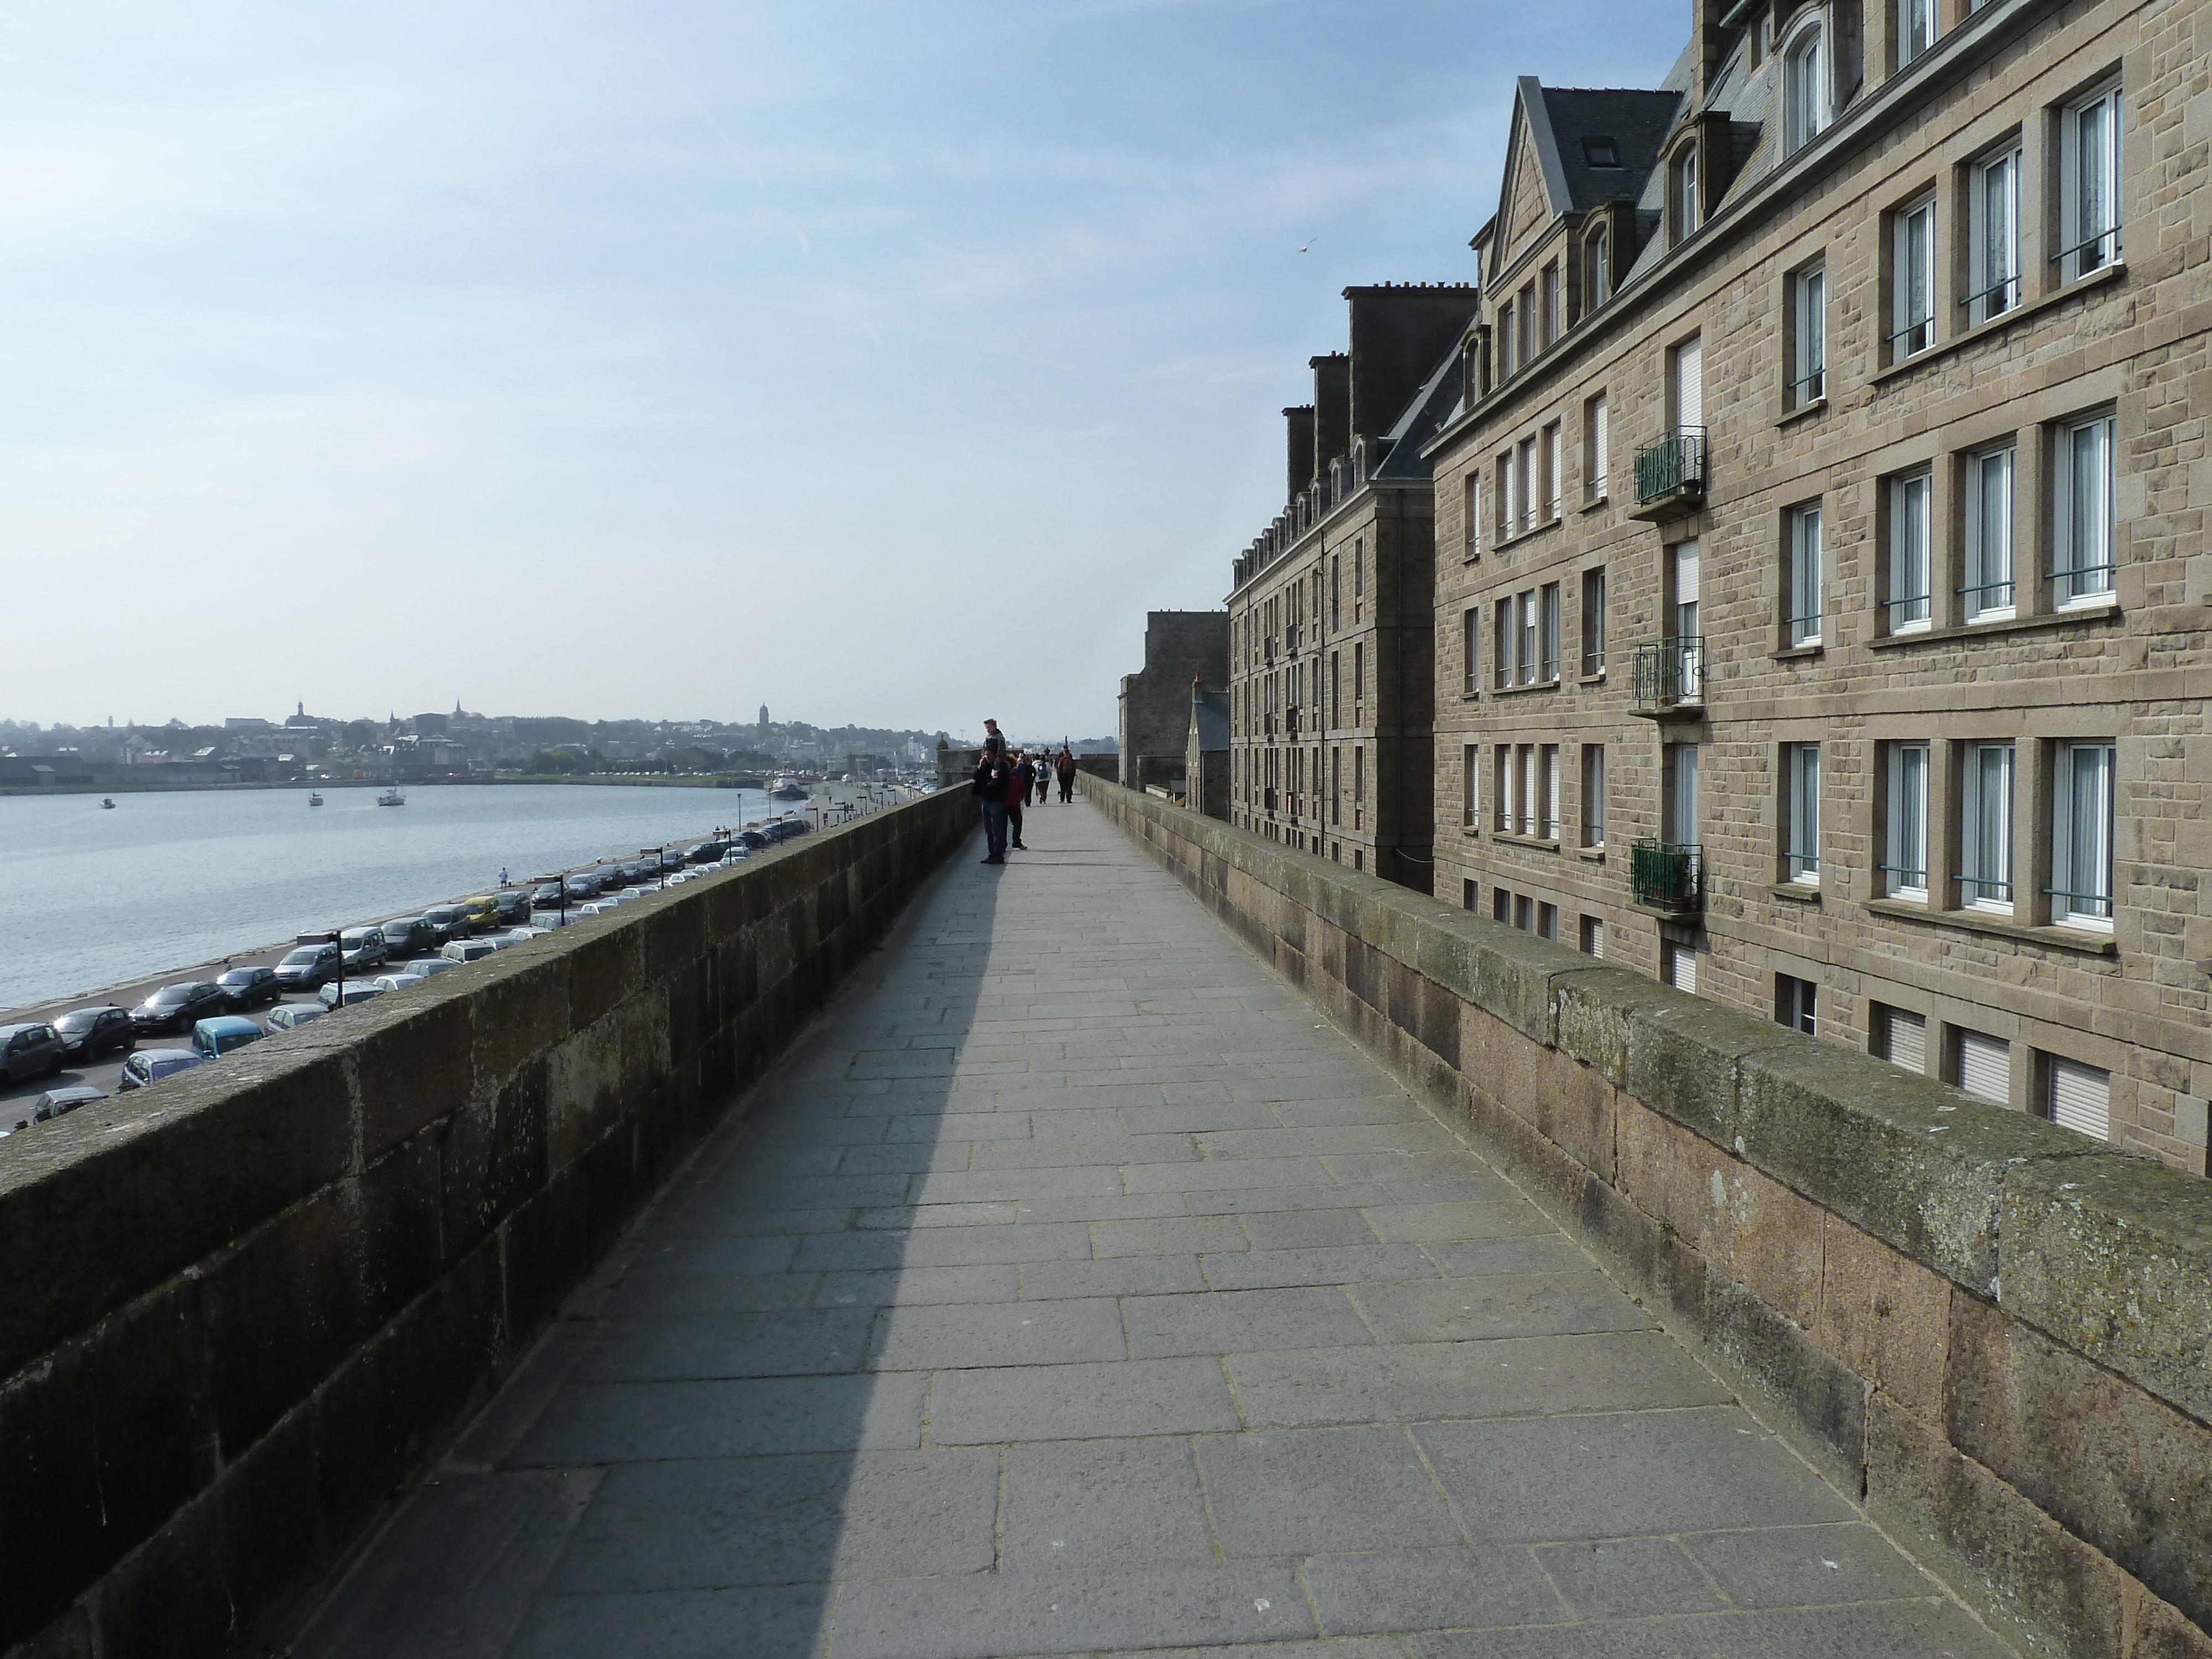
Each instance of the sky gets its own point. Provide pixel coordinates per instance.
(880, 361)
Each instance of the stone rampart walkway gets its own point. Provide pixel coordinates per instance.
(1070, 1289)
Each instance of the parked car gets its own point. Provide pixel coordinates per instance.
(427, 967)
(355, 990)
(31, 1051)
(737, 855)
(470, 950)
(583, 887)
(755, 840)
(60, 1103)
(445, 922)
(483, 912)
(364, 949)
(248, 987)
(175, 1007)
(613, 877)
(212, 1038)
(291, 1015)
(307, 968)
(546, 895)
(513, 906)
(149, 1066)
(405, 935)
(398, 982)
(642, 870)
(671, 858)
(606, 906)
(89, 1033)
(707, 851)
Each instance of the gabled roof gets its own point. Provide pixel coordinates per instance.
(1636, 122)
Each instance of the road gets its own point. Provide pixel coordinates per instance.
(830, 805)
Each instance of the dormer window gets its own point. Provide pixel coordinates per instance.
(1684, 205)
(1804, 89)
(1601, 152)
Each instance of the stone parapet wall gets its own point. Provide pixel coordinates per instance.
(246, 1308)
(1994, 1333)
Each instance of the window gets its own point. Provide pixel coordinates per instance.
(1681, 805)
(1915, 29)
(1900, 1038)
(1336, 785)
(1358, 683)
(1678, 965)
(1524, 486)
(1982, 1066)
(1597, 269)
(1524, 656)
(1501, 905)
(1548, 922)
(1601, 152)
(2078, 1097)
(1522, 908)
(1466, 892)
(1593, 936)
(1804, 89)
(1470, 630)
(2081, 836)
(1501, 656)
(1547, 666)
(1525, 316)
(1594, 449)
(1335, 689)
(1795, 1002)
(1547, 791)
(2083, 568)
(1359, 574)
(1358, 784)
(1473, 532)
(1593, 794)
(1908, 528)
(1801, 812)
(1683, 200)
(1508, 508)
(1552, 469)
(1985, 830)
(1594, 621)
(1808, 381)
(1555, 316)
(1803, 600)
(1470, 801)
(1988, 589)
(1912, 250)
(1994, 208)
(1526, 789)
(2089, 186)
(1905, 869)
(1336, 578)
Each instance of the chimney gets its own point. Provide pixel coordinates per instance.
(1709, 44)
(1298, 428)
(1332, 411)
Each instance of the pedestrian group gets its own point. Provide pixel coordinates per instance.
(1005, 778)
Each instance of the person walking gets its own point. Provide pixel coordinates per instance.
(1066, 767)
(1044, 779)
(1017, 793)
(993, 773)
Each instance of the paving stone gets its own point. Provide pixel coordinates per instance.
(1081, 1403)
(1392, 1107)
(1202, 1113)
(1536, 1253)
(1066, 1152)
(811, 1342)
(1497, 1304)
(1397, 1140)
(1429, 1590)
(1233, 1321)
(1174, 1235)
(1059, 1333)
(944, 1246)
(1808, 1566)
(640, 1296)
(906, 1156)
(1287, 1230)
(630, 1422)
(712, 1522)
(955, 1187)
(1217, 1175)
(992, 1613)
(1882, 1630)
(782, 1621)
(1509, 1216)
(663, 1255)
(958, 1126)
(1109, 1208)
(1080, 1506)
(1638, 1472)
(900, 1217)
(1340, 1264)
(983, 1281)
(1130, 1275)
(1313, 1490)
(1429, 1381)
(1610, 1577)
(1081, 1122)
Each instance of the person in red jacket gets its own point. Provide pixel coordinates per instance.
(1064, 766)
(1017, 793)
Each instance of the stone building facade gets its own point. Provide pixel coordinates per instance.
(1821, 597)
(1179, 646)
(1331, 652)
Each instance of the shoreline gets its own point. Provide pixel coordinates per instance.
(718, 780)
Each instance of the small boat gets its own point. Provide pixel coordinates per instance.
(391, 797)
(315, 798)
(786, 788)
(107, 803)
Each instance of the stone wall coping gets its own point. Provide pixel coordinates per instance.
(2109, 1253)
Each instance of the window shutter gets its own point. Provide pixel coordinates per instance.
(1906, 1036)
(2081, 1098)
(1682, 968)
(1985, 1067)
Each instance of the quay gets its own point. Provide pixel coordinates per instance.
(1163, 1243)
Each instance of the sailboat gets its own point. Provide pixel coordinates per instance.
(315, 798)
(392, 797)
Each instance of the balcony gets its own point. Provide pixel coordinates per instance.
(1670, 679)
(1666, 878)
(1670, 475)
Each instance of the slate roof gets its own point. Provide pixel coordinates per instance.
(1637, 122)
(1209, 711)
(1422, 420)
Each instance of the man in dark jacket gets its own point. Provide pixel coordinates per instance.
(994, 777)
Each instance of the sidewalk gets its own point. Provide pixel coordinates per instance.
(1071, 1289)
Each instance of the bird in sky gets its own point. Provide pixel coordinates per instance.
(1310, 241)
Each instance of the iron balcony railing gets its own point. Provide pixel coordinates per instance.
(1668, 878)
(1673, 467)
(1670, 674)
